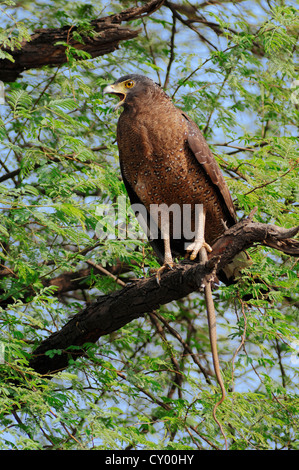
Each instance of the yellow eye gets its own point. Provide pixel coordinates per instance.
(129, 84)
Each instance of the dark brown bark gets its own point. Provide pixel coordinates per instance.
(42, 49)
(111, 312)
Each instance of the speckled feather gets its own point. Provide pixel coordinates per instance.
(164, 158)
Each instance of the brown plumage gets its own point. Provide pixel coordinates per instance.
(166, 161)
(164, 158)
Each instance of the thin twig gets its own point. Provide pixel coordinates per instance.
(106, 272)
(186, 346)
(241, 344)
(172, 46)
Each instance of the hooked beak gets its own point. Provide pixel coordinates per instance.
(110, 89)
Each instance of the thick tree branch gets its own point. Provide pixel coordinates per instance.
(111, 312)
(43, 48)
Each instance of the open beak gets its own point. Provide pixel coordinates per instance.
(111, 90)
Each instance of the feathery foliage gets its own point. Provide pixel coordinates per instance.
(231, 67)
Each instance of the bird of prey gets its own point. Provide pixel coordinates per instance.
(165, 160)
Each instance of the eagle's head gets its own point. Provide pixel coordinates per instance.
(131, 88)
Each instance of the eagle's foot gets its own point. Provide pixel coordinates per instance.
(160, 271)
(194, 248)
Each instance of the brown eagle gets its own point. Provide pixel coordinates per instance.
(165, 162)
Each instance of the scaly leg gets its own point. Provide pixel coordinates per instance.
(168, 261)
(194, 248)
